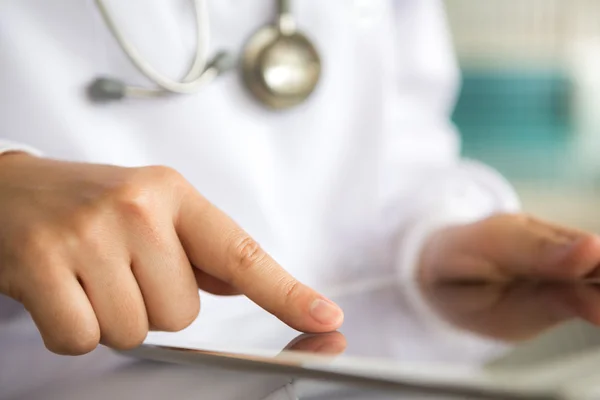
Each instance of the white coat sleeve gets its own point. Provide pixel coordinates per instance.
(446, 189)
(467, 193)
(7, 146)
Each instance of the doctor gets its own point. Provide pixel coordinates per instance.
(114, 213)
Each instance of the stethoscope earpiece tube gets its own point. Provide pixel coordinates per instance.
(223, 62)
(281, 67)
(198, 75)
(106, 89)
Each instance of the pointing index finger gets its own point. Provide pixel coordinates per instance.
(215, 244)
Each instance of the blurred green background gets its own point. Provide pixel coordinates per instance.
(517, 121)
(529, 104)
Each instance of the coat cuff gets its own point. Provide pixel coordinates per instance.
(470, 194)
(11, 147)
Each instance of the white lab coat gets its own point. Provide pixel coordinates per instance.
(341, 189)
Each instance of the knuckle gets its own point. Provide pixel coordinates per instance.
(544, 244)
(134, 201)
(563, 270)
(163, 174)
(141, 193)
(38, 244)
(179, 320)
(131, 339)
(186, 317)
(37, 239)
(163, 177)
(138, 195)
(502, 218)
(523, 219)
(82, 342)
(291, 289)
(170, 180)
(87, 227)
(246, 252)
(128, 326)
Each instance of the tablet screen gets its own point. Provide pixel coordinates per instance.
(526, 338)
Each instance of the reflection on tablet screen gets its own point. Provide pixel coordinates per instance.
(531, 339)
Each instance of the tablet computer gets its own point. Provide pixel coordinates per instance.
(520, 341)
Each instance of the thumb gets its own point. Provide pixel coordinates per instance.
(522, 246)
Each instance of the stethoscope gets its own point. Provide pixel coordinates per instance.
(280, 66)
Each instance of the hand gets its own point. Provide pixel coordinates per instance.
(515, 312)
(102, 254)
(508, 247)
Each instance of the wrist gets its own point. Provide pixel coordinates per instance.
(435, 248)
(14, 156)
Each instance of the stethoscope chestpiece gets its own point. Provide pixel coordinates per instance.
(280, 66)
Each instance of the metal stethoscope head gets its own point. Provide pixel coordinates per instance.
(280, 65)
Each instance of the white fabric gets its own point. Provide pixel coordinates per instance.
(328, 185)
(341, 189)
(9, 147)
(460, 198)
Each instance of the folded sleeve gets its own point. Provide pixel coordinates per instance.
(7, 146)
(463, 194)
(469, 192)
(424, 150)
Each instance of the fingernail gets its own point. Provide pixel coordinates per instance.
(325, 312)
